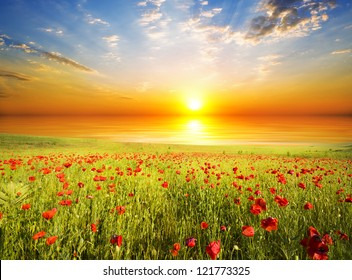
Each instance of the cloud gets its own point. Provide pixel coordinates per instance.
(288, 18)
(211, 13)
(93, 20)
(54, 56)
(112, 40)
(342, 51)
(24, 47)
(64, 60)
(57, 31)
(14, 75)
(153, 20)
(4, 95)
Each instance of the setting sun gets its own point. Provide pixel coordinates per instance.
(194, 104)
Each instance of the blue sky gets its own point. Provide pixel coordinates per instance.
(138, 51)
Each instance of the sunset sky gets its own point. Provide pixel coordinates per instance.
(175, 57)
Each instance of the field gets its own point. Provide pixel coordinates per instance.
(64, 199)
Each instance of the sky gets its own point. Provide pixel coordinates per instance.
(153, 57)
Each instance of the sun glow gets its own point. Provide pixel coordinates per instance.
(194, 104)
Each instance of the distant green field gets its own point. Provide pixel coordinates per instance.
(93, 199)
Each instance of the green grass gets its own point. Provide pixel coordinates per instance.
(200, 188)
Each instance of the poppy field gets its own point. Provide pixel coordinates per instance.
(66, 203)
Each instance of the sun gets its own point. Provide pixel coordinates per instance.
(194, 104)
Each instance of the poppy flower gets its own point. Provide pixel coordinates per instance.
(316, 246)
(343, 236)
(39, 235)
(51, 240)
(308, 206)
(165, 185)
(66, 202)
(281, 201)
(31, 178)
(93, 227)
(213, 249)
(272, 190)
(248, 231)
(327, 239)
(116, 239)
(302, 185)
(174, 252)
(261, 202)
(1, 215)
(269, 224)
(204, 225)
(26, 206)
(120, 209)
(191, 242)
(223, 228)
(49, 214)
(255, 209)
(177, 246)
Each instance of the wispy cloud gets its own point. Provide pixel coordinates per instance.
(342, 51)
(93, 20)
(53, 56)
(4, 95)
(64, 60)
(153, 19)
(288, 18)
(112, 40)
(57, 31)
(14, 75)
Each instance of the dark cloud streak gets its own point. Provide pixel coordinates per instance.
(13, 75)
(282, 16)
(48, 55)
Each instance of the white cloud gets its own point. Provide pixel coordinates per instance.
(342, 51)
(112, 40)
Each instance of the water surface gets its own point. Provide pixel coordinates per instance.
(188, 130)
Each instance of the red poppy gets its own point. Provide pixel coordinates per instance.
(39, 235)
(316, 246)
(269, 224)
(174, 252)
(191, 242)
(165, 185)
(177, 246)
(204, 225)
(308, 206)
(343, 236)
(80, 185)
(26, 206)
(116, 239)
(1, 215)
(302, 185)
(223, 228)
(273, 190)
(31, 179)
(93, 227)
(51, 240)
(261, 202)
(213, 249)
(49, 214)
(120, 209)
(327, 239)
(248, 231)
(237, 201)
(312, 231)
(255, 209)
(281, 201)
(66, 202)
